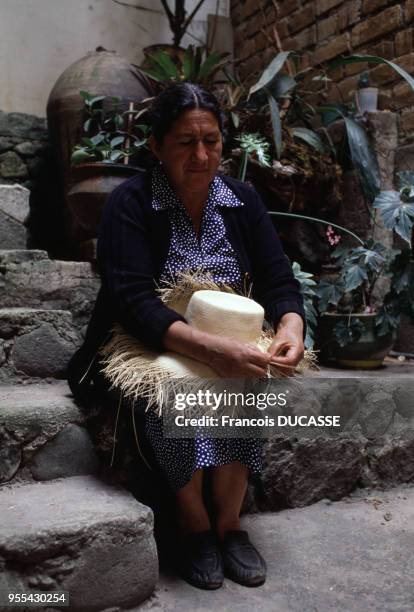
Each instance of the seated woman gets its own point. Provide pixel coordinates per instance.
(183, 215)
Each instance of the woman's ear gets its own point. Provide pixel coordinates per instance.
(154, 146)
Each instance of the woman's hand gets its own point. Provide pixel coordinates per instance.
(287, 348)
(233, 359)
(229, 358)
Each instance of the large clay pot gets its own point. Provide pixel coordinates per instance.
(100, 73)
(367, 353)
(90, 186)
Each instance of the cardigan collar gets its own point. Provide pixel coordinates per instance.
(164, 196)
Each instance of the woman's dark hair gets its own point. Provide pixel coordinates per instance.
(176, 99)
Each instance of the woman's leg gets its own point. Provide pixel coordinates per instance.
(192, 513)
(228, 488)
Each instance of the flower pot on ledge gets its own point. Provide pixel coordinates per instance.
(367, 353)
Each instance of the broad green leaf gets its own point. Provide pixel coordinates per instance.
(87, 125)
(96, 99)
(85, 95)
(165, 62)
(329, 292)
(354, 275)
(363, 159)
(80, 156)
(270, 72)
(156, 74)
(310, 137)
(188, 63)
(235, 119)
(210, 64)
(117, 141)
(281, 85)
(348, 331)
(395, 213)
(96, 140)
(277, 125)
(372, 59)
(386, 321)
(116, 155)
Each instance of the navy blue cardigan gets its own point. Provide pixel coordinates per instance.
(133, 243)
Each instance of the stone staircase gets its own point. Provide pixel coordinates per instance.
(63, 526)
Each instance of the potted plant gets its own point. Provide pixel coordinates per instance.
(111, 151)
(366, 96)
(355, 329)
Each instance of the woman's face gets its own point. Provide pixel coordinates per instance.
(191, 151)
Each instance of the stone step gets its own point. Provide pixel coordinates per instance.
(30, 279)
(352, 555)
(42, 434)
(35, 343)
(14, 215)
(79, 535)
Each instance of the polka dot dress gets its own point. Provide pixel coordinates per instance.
(212, 252)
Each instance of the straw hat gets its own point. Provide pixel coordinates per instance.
(217, 309)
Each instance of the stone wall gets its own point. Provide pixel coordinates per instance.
(325, 29)
(26, 158)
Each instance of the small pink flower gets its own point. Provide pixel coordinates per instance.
(333, 238)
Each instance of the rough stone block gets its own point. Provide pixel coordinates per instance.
(41, 434)
(70, 285)
(14, 213)
(70, 453)
(79, 535)
(298, 473)
(38, 343)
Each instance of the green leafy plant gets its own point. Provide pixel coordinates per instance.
(196, 66)
(397, 207)
(111, 136)
(307, 289)
(284, 96)
(253, 145)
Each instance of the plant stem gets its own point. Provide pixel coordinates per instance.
(342, 229)
(243, 166)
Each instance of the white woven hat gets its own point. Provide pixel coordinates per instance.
(139, 372)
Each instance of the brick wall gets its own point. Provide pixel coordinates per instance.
(324, 29)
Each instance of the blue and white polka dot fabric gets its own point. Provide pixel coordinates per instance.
(212, 252)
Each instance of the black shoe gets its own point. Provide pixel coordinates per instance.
(242, 562)
(201, 563)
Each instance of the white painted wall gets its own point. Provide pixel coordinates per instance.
(39, 39)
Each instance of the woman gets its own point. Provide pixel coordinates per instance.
(184, 215)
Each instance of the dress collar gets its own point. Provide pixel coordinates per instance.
(164, 196)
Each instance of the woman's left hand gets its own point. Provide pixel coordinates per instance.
(287, 348)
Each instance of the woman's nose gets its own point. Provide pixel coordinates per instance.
(199, 152)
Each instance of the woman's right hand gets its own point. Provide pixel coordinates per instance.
(233, 359)
(229, 358)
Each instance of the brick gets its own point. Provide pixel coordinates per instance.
(303, 40)
(327, 27)
(331, 49)
(254, 24)
(385, 74)
(247, 49)
(301, 19)
(409, 12)
(249, 8)
(348, 15)
(385, 99)
(239, 37)
(403, 96)
(384, 49)
(323, 6)
(236, 14)
(369, 6)
(355, 68)
(404, 42)
(376, 26)
(348, 86)
(407, 121)
(286, 7)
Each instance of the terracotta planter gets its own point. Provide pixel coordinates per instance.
(365, 354)
(90, 186)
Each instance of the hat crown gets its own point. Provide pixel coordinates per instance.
(225, 314)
